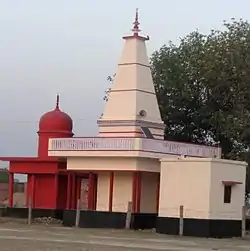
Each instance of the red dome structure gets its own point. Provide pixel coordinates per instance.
(49, 185)
(56, 121)
(53, 124)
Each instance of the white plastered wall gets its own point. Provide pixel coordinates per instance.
(184, 183)
(122, 191)
(196, 184)
(227, 171)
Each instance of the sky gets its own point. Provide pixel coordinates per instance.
(71, 46)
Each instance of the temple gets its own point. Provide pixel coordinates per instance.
(129, 166)
(49, 184)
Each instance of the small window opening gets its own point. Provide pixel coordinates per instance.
(227, 193)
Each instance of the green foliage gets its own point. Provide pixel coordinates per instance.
(203, 88)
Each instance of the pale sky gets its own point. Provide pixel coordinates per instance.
(71, 46)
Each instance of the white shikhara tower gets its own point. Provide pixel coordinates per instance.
(132, 109)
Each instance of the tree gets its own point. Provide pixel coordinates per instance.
(203, 91)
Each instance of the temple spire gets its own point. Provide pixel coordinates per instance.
(133, 85)
(136, 23)
(57, 101)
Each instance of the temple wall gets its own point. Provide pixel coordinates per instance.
(149, 185)
(102, 203)
(122, 191)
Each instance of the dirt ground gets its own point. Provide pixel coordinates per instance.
(18, 236)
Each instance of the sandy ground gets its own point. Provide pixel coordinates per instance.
(19, 237)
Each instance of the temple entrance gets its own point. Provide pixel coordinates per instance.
(86, 191)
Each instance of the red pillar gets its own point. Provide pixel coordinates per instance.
(56, 189)
(33, 183)
(11, 189)
(111, 190)
(91, 191)
(28, 190)
(68, 191)
(95, 192)
(138, 192)
(134, 192)
(73, 192)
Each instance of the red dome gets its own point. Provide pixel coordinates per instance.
(55, 121)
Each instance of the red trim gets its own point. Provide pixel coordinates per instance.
(230, 182)
(11, 189)
(32, 159)
(138, 192)
(95, 192)
(139, 132)
(56, 188)
(111, 190)
(124, 132)
(156, 125)
(28, 190)
(158, 193)
(33, 183)
(117, 125)
(68, 191)
(73, 190)
(134, 192)
(91, 191)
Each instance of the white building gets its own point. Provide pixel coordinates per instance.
(124, 160)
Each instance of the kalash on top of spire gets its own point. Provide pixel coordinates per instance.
(132, 102)
(136, 30)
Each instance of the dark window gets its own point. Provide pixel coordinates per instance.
(227, 193)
